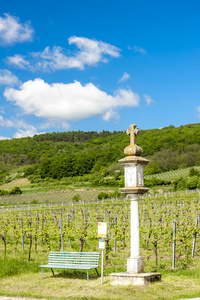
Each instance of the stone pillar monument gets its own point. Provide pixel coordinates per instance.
(134, 188)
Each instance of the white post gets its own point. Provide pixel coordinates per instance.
(135, 262)
(101, 266)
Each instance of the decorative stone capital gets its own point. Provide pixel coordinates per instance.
(132, 159)
(134, 190)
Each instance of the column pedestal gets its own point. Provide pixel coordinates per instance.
(135, 265)
(126, 278)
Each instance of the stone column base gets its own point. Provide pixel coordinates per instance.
(135, 265)
(134, 279)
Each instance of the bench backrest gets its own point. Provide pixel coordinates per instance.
(74, 258)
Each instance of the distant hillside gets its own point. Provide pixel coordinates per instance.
(58, 155)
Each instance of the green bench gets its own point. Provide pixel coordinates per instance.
(72, 260)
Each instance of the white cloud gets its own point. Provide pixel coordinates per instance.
(8, 78)
(67, 102)
(125, 77)
(110, 114)
(11, 31)
(31, 131)
(148, 99)
(6, 123)
(23, 129)
(198, 110)
(18, 61)
(89, 53)
(138, 49)
(4, 138)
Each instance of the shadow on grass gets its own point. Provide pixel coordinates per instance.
(71, 274)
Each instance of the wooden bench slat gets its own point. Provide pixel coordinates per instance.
(72, 258)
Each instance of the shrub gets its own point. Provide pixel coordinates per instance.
(193, 171)
(103, 195)
(16, 190)
(198, 183)
(31, 170)
(76, 198)
(116, 194)
(3, 192)
(192, 182)
(179, 184)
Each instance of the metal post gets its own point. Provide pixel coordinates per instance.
(174, 244)
(109, 223)
(194, 238)
(68, 228)
(22, 234)
(101, 266)
(115, 235)
(61, 236)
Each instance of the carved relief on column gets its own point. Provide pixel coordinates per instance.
(140, 175)
(130, 176)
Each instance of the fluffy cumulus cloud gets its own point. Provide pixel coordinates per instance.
(89, 53)
(148, 99)
(12, 31)
(125, 77)
(4, 138)
(8, 78)
(68, 102)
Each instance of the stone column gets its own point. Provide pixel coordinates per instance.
(134, 188)
(135, 262)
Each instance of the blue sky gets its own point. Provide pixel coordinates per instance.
(98, 65)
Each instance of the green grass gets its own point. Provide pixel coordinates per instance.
(16, 266)
(22, 279)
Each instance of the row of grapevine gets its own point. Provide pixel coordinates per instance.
(173, 174)
(74, 227)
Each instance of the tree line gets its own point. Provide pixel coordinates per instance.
(68, 154)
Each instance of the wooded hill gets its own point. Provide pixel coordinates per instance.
(68, 154)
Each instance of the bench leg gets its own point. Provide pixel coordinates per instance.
(52, 271)
(87, 275)
(97, 272)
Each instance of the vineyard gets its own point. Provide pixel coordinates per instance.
(41, 198)
(171, 175)
(168, 225)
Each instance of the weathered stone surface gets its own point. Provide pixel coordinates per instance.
(127, 278)
(133, 150)
(134, 190)
(135, 265)
(133, 159)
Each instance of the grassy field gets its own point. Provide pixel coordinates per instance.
(22, 278)
(73, 285)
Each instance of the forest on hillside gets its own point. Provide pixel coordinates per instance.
(77, 153)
